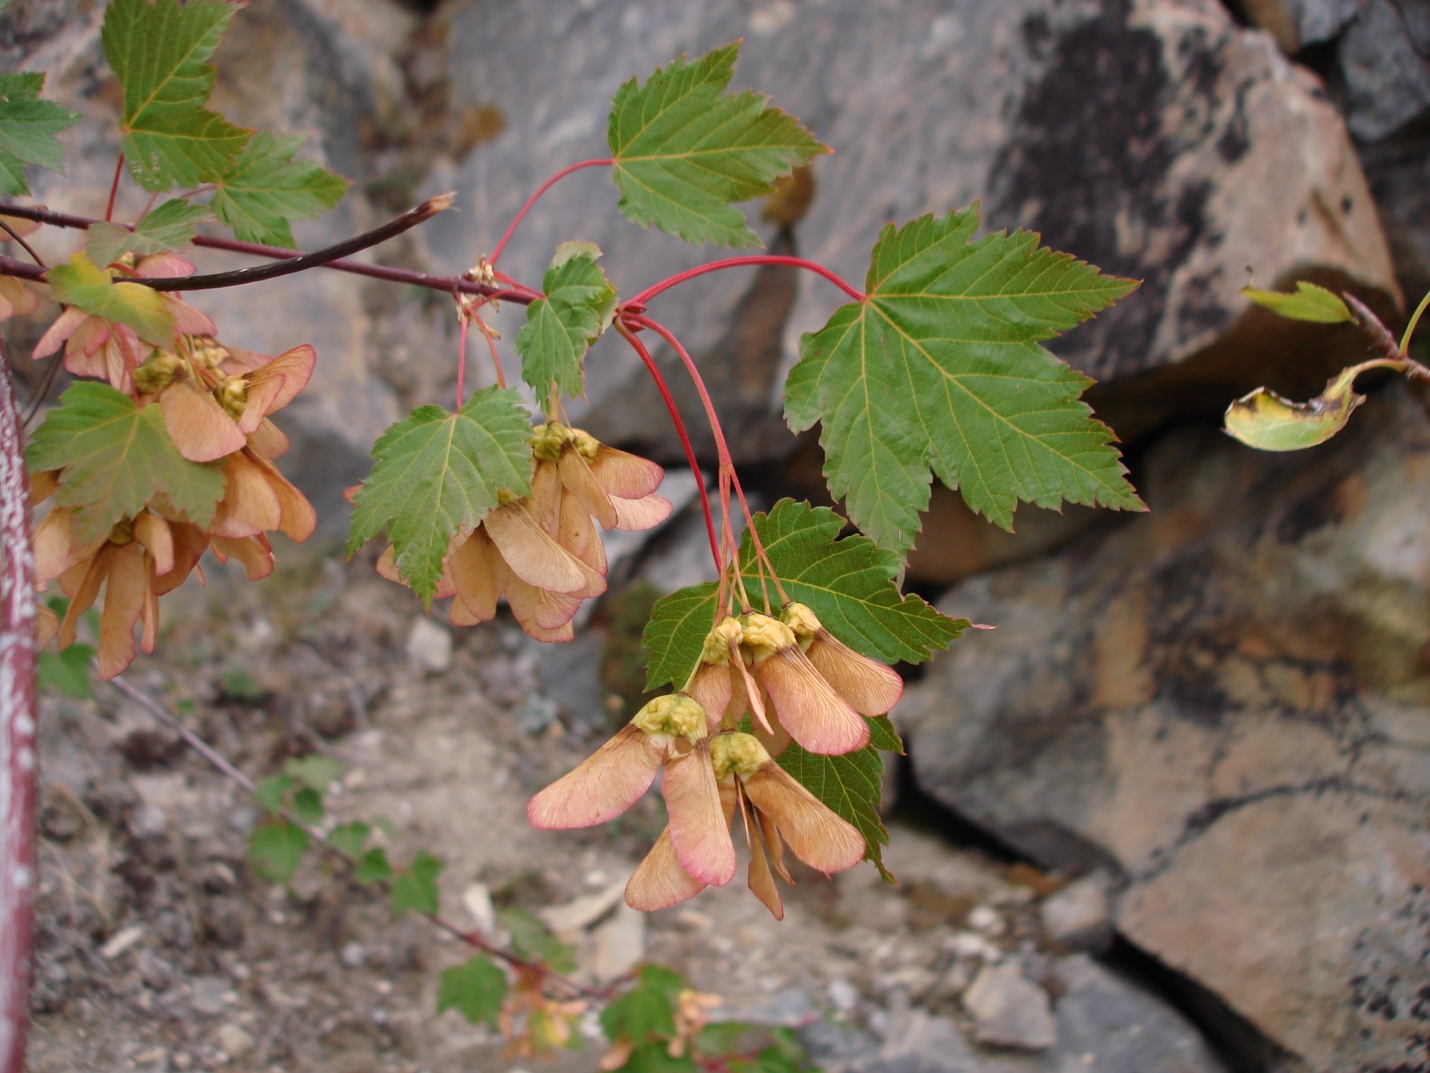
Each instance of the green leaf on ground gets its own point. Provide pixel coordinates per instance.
(851, 784)
(28, 127)
(169, 227)
(266, 190)
(114, 458)
(83, 284)
(65, 671)
(1310, 302)
(850, 584)
(656, 1058)
(940, 368)
(276, 848)
(684, 152)
(349, 838)
(476, 989)
(415, 887)
(272, 792)
(373, 868)
(533, 940)
(157, 50)
(435, 472)
(308, 805)
(561, 327)
(314, 770)
(646, 1012)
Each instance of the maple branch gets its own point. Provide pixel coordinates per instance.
(519, 294)
(21, 240)
(18, 758)
(644, 354)
(231, 772)
(532, 200)
(739, 262)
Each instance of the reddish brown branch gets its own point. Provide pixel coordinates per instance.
(518, 294)
(18, 758)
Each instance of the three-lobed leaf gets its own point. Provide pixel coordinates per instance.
(579, 304)
(276, 848)
(168, 227)
(476, 989)
(683, 151)
(265, 190)
(435, 472)
(940, 369)
(849, 583)
(415, 887)
(28, 127)
(83, 284)
(157, 50)
(114, 457)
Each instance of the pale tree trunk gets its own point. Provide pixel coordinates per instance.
(18, 762)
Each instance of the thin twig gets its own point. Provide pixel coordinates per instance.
(20, 239)
(516, 293)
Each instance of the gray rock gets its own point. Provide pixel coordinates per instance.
(1009, 1010)
(1298, 23)
(1078, 916)
(209, 994)
(1109, 1025)
(1225, 699)
(429, 645)
(1385, 59)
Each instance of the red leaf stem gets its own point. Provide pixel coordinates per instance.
(18, 757)
(532, 200)
(651, 367)
(740, 262)
(114, 188)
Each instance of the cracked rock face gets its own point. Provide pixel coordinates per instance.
(1228, 700)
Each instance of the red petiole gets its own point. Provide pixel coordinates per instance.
(532, 200)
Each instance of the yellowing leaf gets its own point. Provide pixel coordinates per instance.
(561, 327)
(82, 284)
(167, 228)
(683, 152)
(1310, 302)
(1268, 422)
(941, 368)
(157, 49)
(435, 472)
(114, 457)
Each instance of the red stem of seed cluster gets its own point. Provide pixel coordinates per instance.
(740, 262)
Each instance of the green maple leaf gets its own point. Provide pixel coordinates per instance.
(349, 839)
(1310, 302)
(476, 988)
(83, 284)
(276, 848)
(157, 51)
(851, 785)
(940, 368)
(647, 1011)
(28, 127)
(850, 584)
(579, 304)
(266, 190)
(683, 152)
(435, 472)
(415, 887)
(114, 458)
(168, 227)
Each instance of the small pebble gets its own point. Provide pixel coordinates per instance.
(353, 955)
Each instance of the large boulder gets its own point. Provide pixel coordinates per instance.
(1227, 699)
